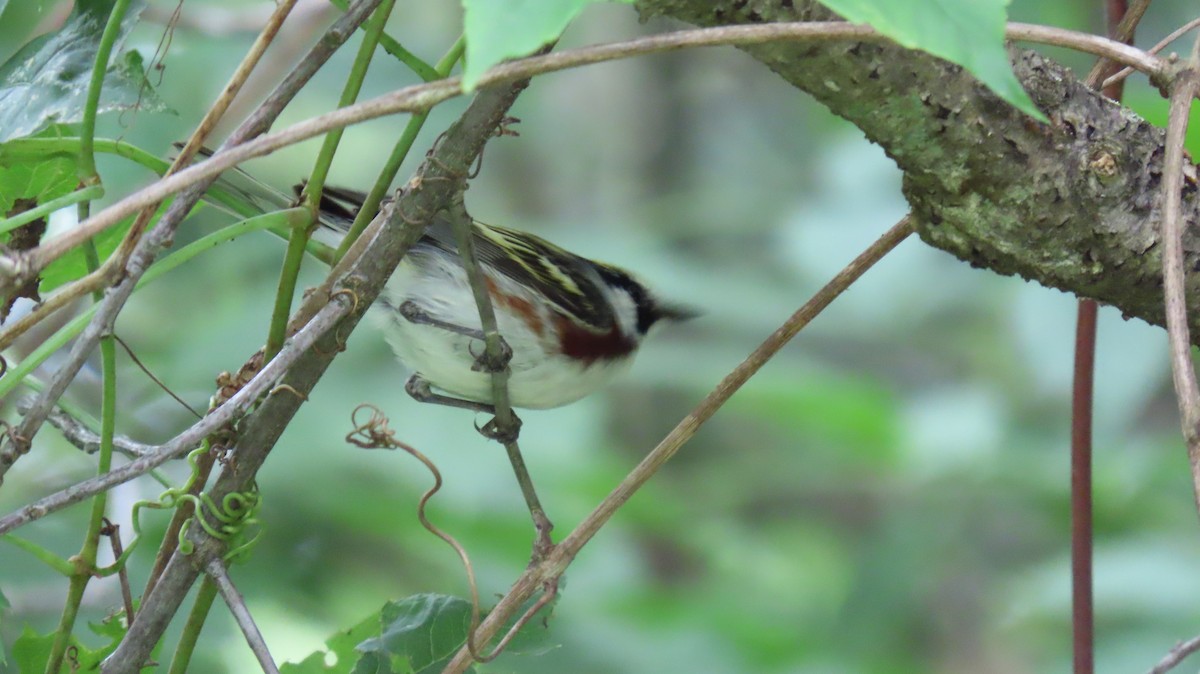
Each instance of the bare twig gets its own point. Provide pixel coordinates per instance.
(82, 438)
(1122, 32)
(506, 425)
(113, 531)
(403, 223)
(424, 96)
(1121, 74)
(1122, 22)
(544, 574)
(1176, 655)
(237, 606)
(148, 248)
(1187, 391)
(234, 408)
(112, 268)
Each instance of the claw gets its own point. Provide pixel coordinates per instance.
(492, 431)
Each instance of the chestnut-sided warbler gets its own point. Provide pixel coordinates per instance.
(571, 323)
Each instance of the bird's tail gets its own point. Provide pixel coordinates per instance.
(337, 209)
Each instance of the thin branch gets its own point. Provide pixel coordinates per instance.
(233, 409)
(495, 359)
(1122, 21)
(1122, 32)
(113, 532)
(237, 606)
(423, 96)
(1174, 35)
(543, 575)
(111, 270)
(402, 224)
(1176, 655)
(148, 248)
(84, 439)
(298, 238)
(1187, 390)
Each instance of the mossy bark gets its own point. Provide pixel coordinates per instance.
(1073, 204)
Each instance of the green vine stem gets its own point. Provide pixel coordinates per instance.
(278, 220)
(298, 241)
(48, 558)
(426, 72)
(87, 153)
(45, 208)
(195, 623)
(370, 206)
(34, 149)
(85, 562)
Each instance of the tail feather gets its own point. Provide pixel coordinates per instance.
(338, 205)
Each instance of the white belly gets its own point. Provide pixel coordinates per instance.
(541, 377)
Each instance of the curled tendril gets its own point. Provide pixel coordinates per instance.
(236, 514)
(374, 433)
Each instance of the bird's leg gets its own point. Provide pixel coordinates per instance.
(415, 314)
(422, 391)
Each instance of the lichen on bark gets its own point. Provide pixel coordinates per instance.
(1072, 204)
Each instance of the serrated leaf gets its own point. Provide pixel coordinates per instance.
(46, 81)
(502, 29)
(967, 32)
(422, 632)
(41, 181)
(31, 651)
(419, 632)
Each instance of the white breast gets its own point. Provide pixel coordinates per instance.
(541, 376)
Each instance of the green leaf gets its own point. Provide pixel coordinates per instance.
(31, 651)
(46, 81)
(73, 264)
(967, 32)
(419, 632)
(341, 645)
(422, 632)
(501, 29)
(40, 181)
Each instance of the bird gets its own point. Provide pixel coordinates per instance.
(571, 324)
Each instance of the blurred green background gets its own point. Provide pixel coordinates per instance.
(889, 495)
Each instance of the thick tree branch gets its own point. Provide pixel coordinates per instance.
(403, 222)
(1073, 205)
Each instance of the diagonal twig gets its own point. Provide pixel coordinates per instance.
(424, 96)
(233, 409)
(403, 222)
(1121, 74)
(86, 440)
(506, 423)
(237, 606)
(1176, 655)
(1187, 391)
(147, 249)
(545, 574)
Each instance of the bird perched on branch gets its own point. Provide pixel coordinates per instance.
(572, 324)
